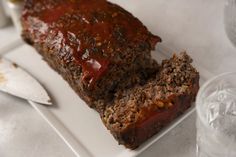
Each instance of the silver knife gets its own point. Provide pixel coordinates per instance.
(15, 81)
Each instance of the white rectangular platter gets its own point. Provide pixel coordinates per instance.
(78, 125)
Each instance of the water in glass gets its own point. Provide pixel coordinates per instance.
(216, 124)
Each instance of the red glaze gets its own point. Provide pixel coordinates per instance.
(154, 120)
(157, 119)
(88, 32)
(52, 15)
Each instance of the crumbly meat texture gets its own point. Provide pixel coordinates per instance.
(94, 44)
(140, 112)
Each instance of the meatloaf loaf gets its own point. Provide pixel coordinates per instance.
(94, 44)
(103, 52)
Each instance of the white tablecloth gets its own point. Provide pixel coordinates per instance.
(192, 25)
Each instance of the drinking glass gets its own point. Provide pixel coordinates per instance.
(216, 117)
(230, 20)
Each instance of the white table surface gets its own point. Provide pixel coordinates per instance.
(192, 25)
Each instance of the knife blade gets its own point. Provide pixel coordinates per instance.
(16, 81)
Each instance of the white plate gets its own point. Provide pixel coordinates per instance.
(78, 125)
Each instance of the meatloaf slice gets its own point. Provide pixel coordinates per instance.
(139, 113)
(94, 44)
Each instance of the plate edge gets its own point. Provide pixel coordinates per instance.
(76, 147)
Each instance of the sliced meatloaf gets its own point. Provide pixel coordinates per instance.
(138, 113)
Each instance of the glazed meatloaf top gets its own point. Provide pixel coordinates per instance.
(102, 42)
(93, 33)
(131, 107)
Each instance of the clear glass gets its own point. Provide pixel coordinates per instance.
(216, 117)
(230, 20)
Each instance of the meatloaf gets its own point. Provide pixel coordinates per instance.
(103, 52)
(94, 44)
(138, 113)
